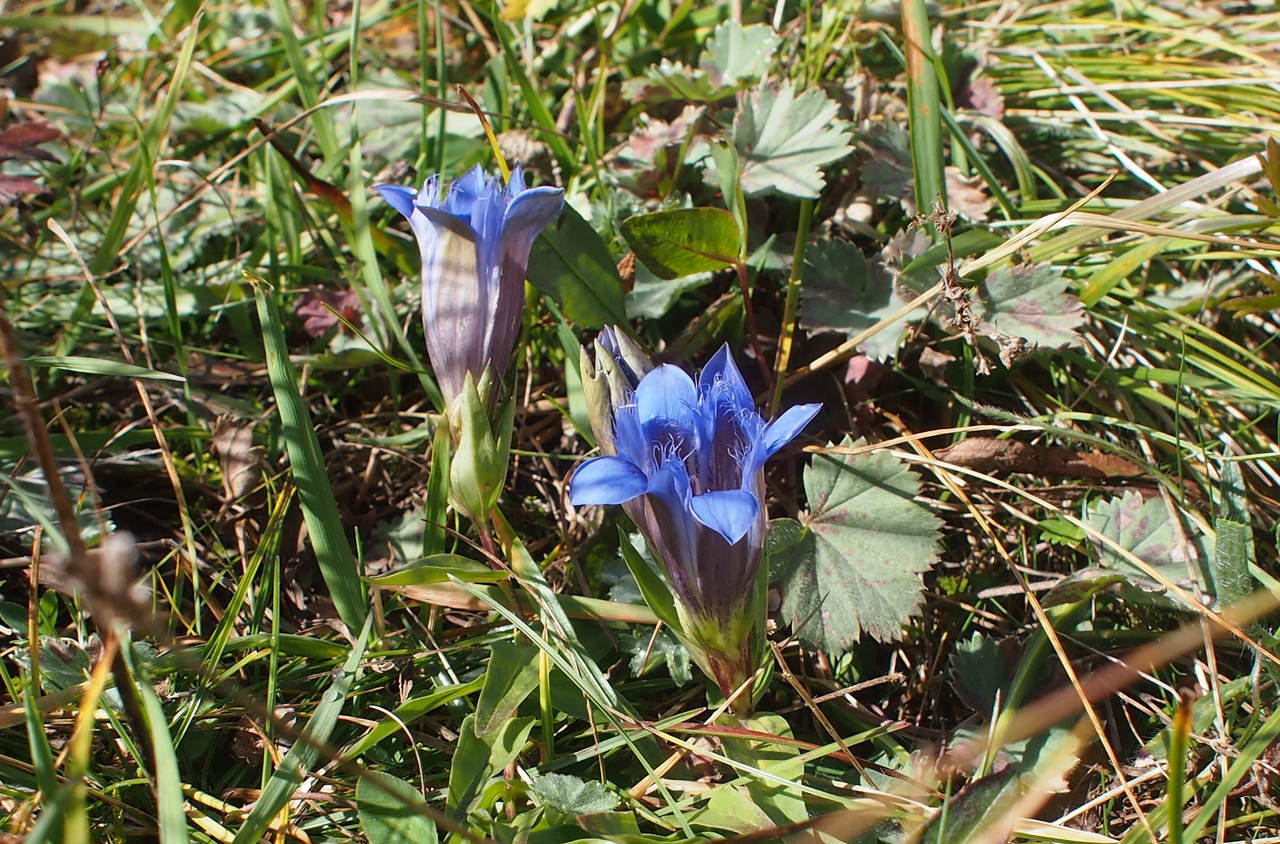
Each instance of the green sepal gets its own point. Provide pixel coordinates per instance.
(479, 464)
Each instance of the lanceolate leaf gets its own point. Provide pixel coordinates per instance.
(857, 568)
(571, 264)
(1031, 302)
(784, 139)
(680, 243)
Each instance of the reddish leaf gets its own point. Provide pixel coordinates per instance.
(11, 186)
(317, 319)
(21, 141)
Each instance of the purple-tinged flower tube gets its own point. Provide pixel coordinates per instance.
(475, 239)
(688, 467)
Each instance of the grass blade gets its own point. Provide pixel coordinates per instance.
(288, 776)
(319, 509)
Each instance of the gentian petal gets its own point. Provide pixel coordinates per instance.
(722, 371)
(730, 513)
(606, 480)
(516, 184)
(670, 527)
(464, 192)
(526, 215)
(665, 400)
(399, 197)
(452, 314)
(784, 429)
(629, 439)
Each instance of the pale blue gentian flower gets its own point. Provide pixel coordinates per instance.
(475, 239)
(688, 468)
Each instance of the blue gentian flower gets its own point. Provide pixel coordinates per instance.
(688, 468)
(475, 239)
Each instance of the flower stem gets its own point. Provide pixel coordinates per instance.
(741, 267)
(788, 332)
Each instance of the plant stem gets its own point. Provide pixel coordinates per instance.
(788, 332)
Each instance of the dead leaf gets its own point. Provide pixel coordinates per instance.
(967, 195)
(21, 142)
(12, 186)
(317, 320)
(991, 455)
(240, 459)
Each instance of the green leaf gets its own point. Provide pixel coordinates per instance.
(651, 297)
(306, 464)
(511, 675)
(843, 292)
(730, 808)
(782, 803)
(652, 587)
(1233, 543)
(857, 569)
(1146, 529)
(438, 568)
(974, 808)
(736, 55)
(171, 819)
(1031, 302)
(571, 264)
(573, 796)
(408, 712)
(683, 242)
(1232, 553)
(1060, 531)
(97, 366)
(389, 811)
(979, 671)
(784, 139)
(475, 759)
(291, 770)
(648, 651)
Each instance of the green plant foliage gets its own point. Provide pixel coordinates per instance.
(735, 56)
(571, 264)
(681, 243)
(390, 811)
(844, 292)
(1145, 529)
(572, 796)
(857, 563)
(784, 139)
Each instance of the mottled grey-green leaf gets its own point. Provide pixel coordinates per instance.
(784, 139)
(1031, 302)
(572, 795)
(1147, 530)
(857, 570)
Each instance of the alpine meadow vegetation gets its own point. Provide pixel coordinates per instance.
(640, 421)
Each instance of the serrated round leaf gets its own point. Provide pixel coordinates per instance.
(1146, 529)
(1031, 302)
(858, 569)
(679, 243)
(783, 139)
(389, 811)
(738, 53)
(572, 795)
(843, 292)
